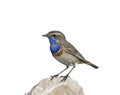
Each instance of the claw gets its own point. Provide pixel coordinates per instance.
(54, 76)
(64, 78)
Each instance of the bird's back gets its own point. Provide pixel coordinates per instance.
(72, 50)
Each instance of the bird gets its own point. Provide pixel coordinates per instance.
(65, 52)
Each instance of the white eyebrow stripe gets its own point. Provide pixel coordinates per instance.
(58, 33)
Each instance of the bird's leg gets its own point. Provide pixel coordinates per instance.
(59, 73)
(65, 77)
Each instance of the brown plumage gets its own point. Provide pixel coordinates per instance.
(65, 52)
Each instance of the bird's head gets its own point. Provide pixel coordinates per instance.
(55, 37)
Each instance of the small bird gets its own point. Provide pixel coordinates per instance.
(65, 52)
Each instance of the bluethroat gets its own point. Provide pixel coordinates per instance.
(65, 52)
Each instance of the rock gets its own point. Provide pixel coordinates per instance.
(55, 87)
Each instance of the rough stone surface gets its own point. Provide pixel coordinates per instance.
(55, 87)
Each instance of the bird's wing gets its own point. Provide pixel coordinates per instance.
(72, 50)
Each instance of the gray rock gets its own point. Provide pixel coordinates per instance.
(55, 87)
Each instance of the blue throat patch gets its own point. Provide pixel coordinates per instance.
(54, 46)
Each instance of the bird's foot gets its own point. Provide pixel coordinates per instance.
(54, 76)
(64, 78)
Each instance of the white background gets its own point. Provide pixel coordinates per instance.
(92, 26)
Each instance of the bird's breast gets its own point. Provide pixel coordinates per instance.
(54, 48)
(65, 58)
(58, 53)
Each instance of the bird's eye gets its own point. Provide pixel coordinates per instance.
(54, 35)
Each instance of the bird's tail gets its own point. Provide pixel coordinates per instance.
(91, 64)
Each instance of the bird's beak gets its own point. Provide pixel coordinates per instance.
(45, 35)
